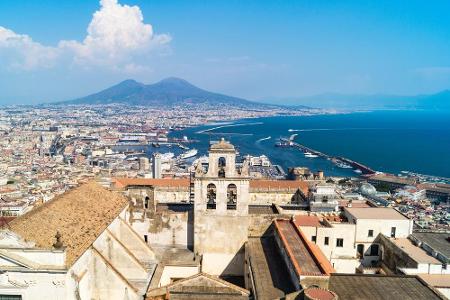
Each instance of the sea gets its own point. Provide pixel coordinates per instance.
(386, 141)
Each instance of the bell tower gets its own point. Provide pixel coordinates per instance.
(221, 212)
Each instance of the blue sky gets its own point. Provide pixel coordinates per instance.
(252, 49)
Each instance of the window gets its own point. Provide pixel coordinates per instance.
(221, 164)
(370, 234)
(393, 229)
(10, 297)
(327, 241)
(147, 199)
(211, 196)
(313, 238)
(231, 196)
(339, 242)
(374, 250)
(145, 238)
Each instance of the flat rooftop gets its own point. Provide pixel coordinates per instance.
(416, 253)
(375, 213)
(268, 269)
(440, 242)
(369, 287)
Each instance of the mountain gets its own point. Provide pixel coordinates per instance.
(438, 101)
(170, 91)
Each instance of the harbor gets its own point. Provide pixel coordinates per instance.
(339, 161)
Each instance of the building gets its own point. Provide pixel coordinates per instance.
(156, 165)
(221, 212)
(144, 164)
(76, 246)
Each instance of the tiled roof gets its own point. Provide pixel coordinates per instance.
(163, 182)
(304, 220)
(368, 287)
(184, 182)
(80, 215)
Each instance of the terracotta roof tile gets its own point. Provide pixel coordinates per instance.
(80, 215)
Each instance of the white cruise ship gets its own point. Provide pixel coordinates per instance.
(189, 154)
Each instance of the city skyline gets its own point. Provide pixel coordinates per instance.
(64, 50)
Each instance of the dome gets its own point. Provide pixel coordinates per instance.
(367, 188)
(222, 145)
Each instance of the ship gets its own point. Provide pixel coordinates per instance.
(189, 154)
(343, 165)
(310, 155)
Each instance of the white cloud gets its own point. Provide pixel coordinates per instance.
(20, 51)
(117, 38)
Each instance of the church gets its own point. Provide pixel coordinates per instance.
(217, 235)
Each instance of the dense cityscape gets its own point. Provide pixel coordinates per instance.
(224, 150)
(51, 154)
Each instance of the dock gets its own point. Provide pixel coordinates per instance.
(356, 165)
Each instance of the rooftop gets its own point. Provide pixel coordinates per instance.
(368, 287)
(440, 242)
(80, 215)
(222, 145)
(306, 257)
(416, 253)
(305, 220)
(268, 269)
(375, 213)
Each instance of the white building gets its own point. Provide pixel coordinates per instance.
(352, 241)
(76, 246)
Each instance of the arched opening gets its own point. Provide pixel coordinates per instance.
(221, 167)
(231, 196)
(360, 250)
(146, 202)
(211, 195)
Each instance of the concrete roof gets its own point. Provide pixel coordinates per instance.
(416, 253)
(270, 273)
(380, 287)
(440, 242)
(375, 213)
(80, 215)
(436, 280)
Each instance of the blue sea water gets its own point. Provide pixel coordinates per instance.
(388, 141)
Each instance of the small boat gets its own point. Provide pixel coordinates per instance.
(357, 171)
(343, 165)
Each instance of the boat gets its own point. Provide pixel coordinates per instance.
(357, 171)
(156, 145)
(343, 165)
(310, 155)
(189, 154)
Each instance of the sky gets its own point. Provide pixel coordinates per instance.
(54, 50)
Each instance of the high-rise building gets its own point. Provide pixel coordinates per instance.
(156, 165)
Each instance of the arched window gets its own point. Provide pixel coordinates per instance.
(221, 167)
(146, 201)
(360, 250)
(211, 195)
(231, 196)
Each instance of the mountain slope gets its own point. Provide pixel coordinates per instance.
(170, 91)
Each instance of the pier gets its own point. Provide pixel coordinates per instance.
(355, 165)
